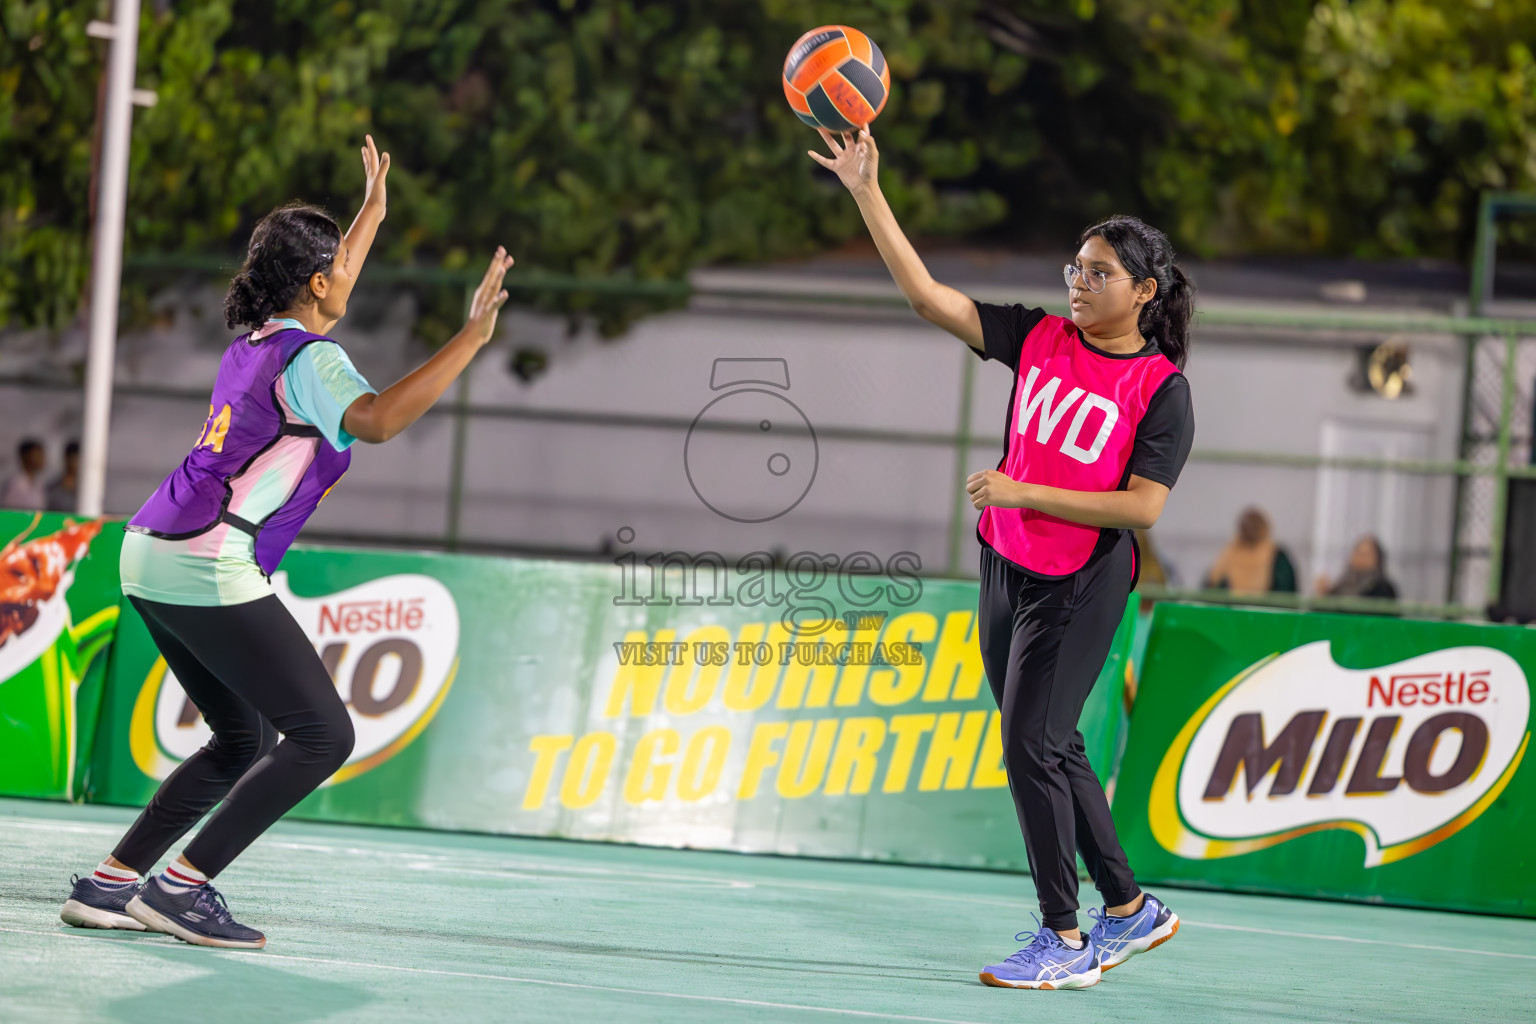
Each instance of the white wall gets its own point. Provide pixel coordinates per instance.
(1283, 399)
(568, 486)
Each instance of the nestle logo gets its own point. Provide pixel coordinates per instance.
(1429, 688)
(354, 617)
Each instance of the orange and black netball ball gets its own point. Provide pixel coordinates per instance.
(835, 77)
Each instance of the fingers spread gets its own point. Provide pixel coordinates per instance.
(820, 159)
(490, 269)
(486, 295)
(831, 141)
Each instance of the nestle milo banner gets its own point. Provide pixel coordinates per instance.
(58, 610)
(812, 711)
(1339, 756)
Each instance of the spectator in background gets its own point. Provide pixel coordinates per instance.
(1364, 576)
(61, 493)
(25, 489)
(1252, 563)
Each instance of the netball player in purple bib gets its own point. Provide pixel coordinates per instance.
(1099, 426)
(198, 558)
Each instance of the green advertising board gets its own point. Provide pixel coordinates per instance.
(1334, 756)
(58, 610)
(827, 714)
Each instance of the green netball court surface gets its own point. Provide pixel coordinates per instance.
(373, 925)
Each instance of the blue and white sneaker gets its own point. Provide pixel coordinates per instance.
(196, 914)
(1120, 938)
(1045, 962)
(93, 905)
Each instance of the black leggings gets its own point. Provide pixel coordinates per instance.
(1043, 644)
(253, 673)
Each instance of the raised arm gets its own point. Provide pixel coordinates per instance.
(359, 237)
(856, 163)
(366, 224)
(377, 418)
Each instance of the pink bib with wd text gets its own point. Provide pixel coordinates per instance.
(1072, 425)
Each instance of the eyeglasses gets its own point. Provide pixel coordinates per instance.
(1093, 280)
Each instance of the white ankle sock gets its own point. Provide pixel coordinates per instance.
(178, 876)
(110, 877)
(1071, 943)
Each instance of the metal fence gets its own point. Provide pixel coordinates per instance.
(1500, 360)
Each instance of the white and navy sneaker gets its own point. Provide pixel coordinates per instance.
(195, 914)
(1120, 938)
(92, 904)
(1047, 962)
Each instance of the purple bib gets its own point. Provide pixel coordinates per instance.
(248, 431)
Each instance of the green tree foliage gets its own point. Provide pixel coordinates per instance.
(47, 109)
(642, 137)
(1354, 126)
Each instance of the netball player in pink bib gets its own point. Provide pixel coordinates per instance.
(1099, 426)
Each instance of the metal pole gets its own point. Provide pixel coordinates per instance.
(456, 463)
(457, 453)
(1501, 471)
(1462, 488)
(107, 261)
(960, 508)
(1484, 247)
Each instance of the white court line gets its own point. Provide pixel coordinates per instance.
(1368, 942)
(56, 826)
(419, 859)
(492, 864)
(545, 874)
(263, 955)
(557, 866)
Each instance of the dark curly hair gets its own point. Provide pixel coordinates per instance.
(1146, 252)
(289, 245)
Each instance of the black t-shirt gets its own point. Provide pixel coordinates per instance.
(1164, 435)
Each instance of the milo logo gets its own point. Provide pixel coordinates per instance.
(390, 644)
(1404, 755)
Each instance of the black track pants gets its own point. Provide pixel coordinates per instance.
(1043, 645)
(253, 674)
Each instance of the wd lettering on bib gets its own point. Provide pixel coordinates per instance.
(1075, 412)
(1049, 416)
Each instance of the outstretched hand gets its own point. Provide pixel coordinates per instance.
(375, 168)
(375, 418)
(488, 299)
(855, 161)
